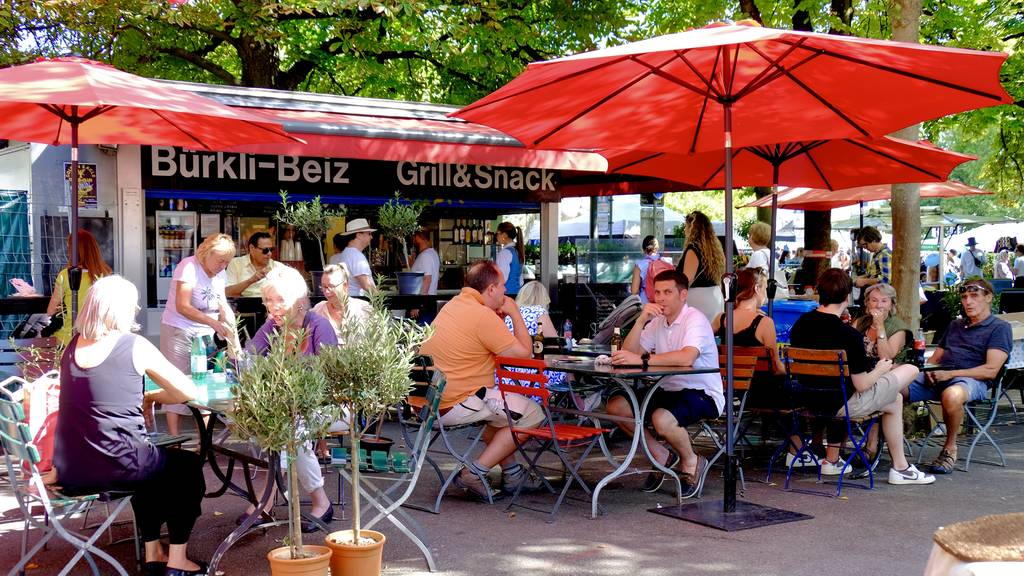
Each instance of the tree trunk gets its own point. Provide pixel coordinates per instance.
(801, 18)
(749, 9)
(905, 16)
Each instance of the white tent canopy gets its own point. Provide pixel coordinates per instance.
(987, 235)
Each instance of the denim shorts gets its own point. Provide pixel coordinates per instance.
(920, 390)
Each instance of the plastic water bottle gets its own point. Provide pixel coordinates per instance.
(567, 334)
(919, 348)
(198, 360)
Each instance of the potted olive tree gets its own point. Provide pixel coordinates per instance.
(281, 404)
(310, 217)
(367, 374)
(398, 220)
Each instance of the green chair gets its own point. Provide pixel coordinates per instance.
(57, 508)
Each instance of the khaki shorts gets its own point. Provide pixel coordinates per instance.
(473, 409)
(874, 399)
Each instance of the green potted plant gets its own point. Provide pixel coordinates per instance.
(310, 217)
(398, 219)
(281, 403)
(368, 374)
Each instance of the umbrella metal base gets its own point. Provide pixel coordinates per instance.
(747, 515)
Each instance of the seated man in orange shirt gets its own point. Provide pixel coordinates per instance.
(469, 332)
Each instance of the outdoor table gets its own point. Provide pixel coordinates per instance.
(592, 350)
(216, 400)
(936, 367)
(627, 378)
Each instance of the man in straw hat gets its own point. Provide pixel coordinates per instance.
(357, 237)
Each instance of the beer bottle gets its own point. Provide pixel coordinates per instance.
(538, 345)
(616, 339)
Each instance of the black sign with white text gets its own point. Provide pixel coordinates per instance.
(174, 168)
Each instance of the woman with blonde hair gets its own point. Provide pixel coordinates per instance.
(196, 306)
(93, 268)
(101, 439)
(703, 263)
(511, 256)
(533, 302)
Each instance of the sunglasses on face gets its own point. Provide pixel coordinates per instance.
(264, 250)
(973, 289)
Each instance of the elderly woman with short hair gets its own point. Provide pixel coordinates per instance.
(339, 308)
(101, 442)
(286, 298)
(196, 306)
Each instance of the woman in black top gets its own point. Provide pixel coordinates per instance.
(101, 441)
(703, 263)
(751, 327)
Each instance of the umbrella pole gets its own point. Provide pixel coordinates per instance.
(74, 272)
(775, 226)
(729, 499)
(942, 258)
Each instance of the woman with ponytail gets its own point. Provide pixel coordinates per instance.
(511, 256)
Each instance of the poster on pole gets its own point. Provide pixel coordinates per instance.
(87, 186)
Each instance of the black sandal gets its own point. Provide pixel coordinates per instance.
(201, 571)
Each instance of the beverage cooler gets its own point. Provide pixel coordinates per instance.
(175, 240)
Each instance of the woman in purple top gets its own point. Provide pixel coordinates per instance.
(286, 298)
(101, 441)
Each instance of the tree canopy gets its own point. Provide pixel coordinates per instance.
(455, 52)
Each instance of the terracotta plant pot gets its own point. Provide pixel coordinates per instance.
(347, 558)
(281, 563)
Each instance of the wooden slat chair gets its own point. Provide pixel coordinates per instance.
(831, 364)
(39, 355)
(980, 416)
(517, 376)
(442, 441)
(743, 368)
(762, 368)
(58, 508)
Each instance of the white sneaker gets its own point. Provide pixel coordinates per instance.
(834, 468)
(909, 476)
(806, 460)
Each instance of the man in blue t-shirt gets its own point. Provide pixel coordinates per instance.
(975, 347)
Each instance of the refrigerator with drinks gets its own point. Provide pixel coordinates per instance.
(175, 240)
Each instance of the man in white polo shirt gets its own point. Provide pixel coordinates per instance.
(673, 334)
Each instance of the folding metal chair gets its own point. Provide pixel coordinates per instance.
(977, 419)
(400, 470)
(58, 509)
(443, 433)
(517, 376)
(831, 364)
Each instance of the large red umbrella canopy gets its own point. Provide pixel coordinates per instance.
(667, 93)
(830, 164)
(39, 101)
(823, 200)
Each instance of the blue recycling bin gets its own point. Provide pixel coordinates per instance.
(785, 313)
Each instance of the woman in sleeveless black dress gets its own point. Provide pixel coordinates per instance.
(101, 442)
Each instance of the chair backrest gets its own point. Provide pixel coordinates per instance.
(743, 368)
(514, 374)
(761, 353)
(28, 357)
(17, 439)
(819, 363)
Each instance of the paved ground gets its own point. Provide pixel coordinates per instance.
(885, 531)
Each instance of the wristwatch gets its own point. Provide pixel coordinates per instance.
(645, 358)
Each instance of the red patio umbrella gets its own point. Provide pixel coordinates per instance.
(75, 100)
(831, 164)
(680, 93)
(822, 200)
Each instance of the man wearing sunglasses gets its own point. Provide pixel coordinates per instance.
(974, 347)
(246, 273)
